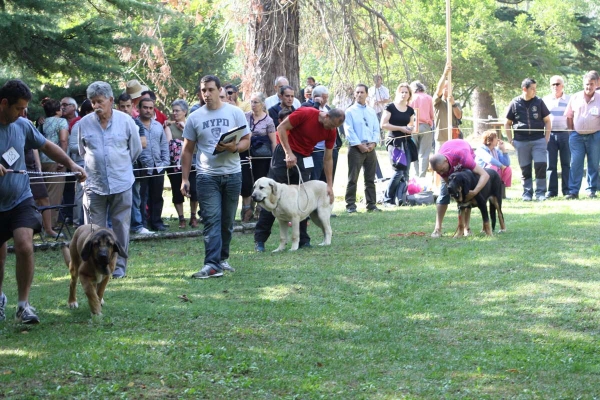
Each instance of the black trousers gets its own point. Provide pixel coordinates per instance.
(151, 194)
(279, 173)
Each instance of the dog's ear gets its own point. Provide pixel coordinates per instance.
(273, 187)
(119, 249)
(87, 250)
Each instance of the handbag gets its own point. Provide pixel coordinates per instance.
(260, 147)
(456, 133)
(398, 157)
(175, 146)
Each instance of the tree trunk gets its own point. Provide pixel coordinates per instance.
(272, 45)
(483, 108)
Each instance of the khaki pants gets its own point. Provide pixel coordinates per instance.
(55, 186)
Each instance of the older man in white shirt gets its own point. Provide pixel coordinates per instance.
(274, 100)
(558, 144)
(109, 142)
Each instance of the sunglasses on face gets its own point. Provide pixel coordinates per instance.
(555, 84)
(230, 93)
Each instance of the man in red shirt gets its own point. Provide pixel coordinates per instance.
(296, 138)
(454, 156)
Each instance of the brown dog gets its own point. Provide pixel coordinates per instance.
(92, 258)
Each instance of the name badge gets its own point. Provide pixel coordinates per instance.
(594, 111)
(11, 156)
(308, 162)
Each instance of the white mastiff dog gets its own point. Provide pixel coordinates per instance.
(293, 203)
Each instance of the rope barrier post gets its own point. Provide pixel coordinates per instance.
(449, 62)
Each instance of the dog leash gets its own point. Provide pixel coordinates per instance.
(300, 186)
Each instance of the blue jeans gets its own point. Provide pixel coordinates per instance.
(136, 214)
(218, 197)
(317, 155)
(400, 174)
(582, 146)
(558, 145)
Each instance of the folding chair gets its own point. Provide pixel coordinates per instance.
(63, 225)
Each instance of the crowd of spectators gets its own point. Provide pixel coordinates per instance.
(126, 147)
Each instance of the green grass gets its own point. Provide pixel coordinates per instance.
(374, 316)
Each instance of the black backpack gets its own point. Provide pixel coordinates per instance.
(401, 193)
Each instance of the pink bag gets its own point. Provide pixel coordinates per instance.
(413, 186)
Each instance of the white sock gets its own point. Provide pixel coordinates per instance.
(22, 304)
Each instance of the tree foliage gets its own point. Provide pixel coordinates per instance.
(53, 38)
(58, 47)
(181, 47)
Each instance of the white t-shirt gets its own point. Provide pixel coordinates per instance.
(378, 94)
(205, 127)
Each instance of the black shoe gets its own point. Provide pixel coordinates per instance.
(592, 195)
(351, 210)
(571, 196)
(551, 194)
(374, 209)
(306, 245)
(259, 247)
(159, 228)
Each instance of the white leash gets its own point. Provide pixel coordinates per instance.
(300, 187)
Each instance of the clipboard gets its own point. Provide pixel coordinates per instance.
(234, 134)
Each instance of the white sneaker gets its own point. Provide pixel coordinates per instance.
(144, 231)
(3, 301)
(226, 267)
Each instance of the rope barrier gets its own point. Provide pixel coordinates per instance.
(247, 160)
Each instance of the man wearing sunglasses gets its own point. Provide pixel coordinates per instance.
(362, 131)
(232, 95)
(558, 144)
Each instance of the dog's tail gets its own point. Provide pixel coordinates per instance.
(66, 252)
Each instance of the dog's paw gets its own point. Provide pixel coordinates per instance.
(294, 249)
(277, 250)
(502, 231)
(73, 305)
(102, 302)
(468, 232)
(324, 244)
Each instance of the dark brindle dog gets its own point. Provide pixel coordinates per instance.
(92, 258)
(459, 185)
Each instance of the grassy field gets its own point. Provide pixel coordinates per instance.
(381, 314)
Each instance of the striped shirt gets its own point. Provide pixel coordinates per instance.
(557, 107)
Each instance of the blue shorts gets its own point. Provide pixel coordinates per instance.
(444, 197)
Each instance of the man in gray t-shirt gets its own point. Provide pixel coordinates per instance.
(218, 177)
(19, 218)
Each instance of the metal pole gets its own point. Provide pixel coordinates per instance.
(449, 62)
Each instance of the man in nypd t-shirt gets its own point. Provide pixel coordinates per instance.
(219, 176)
